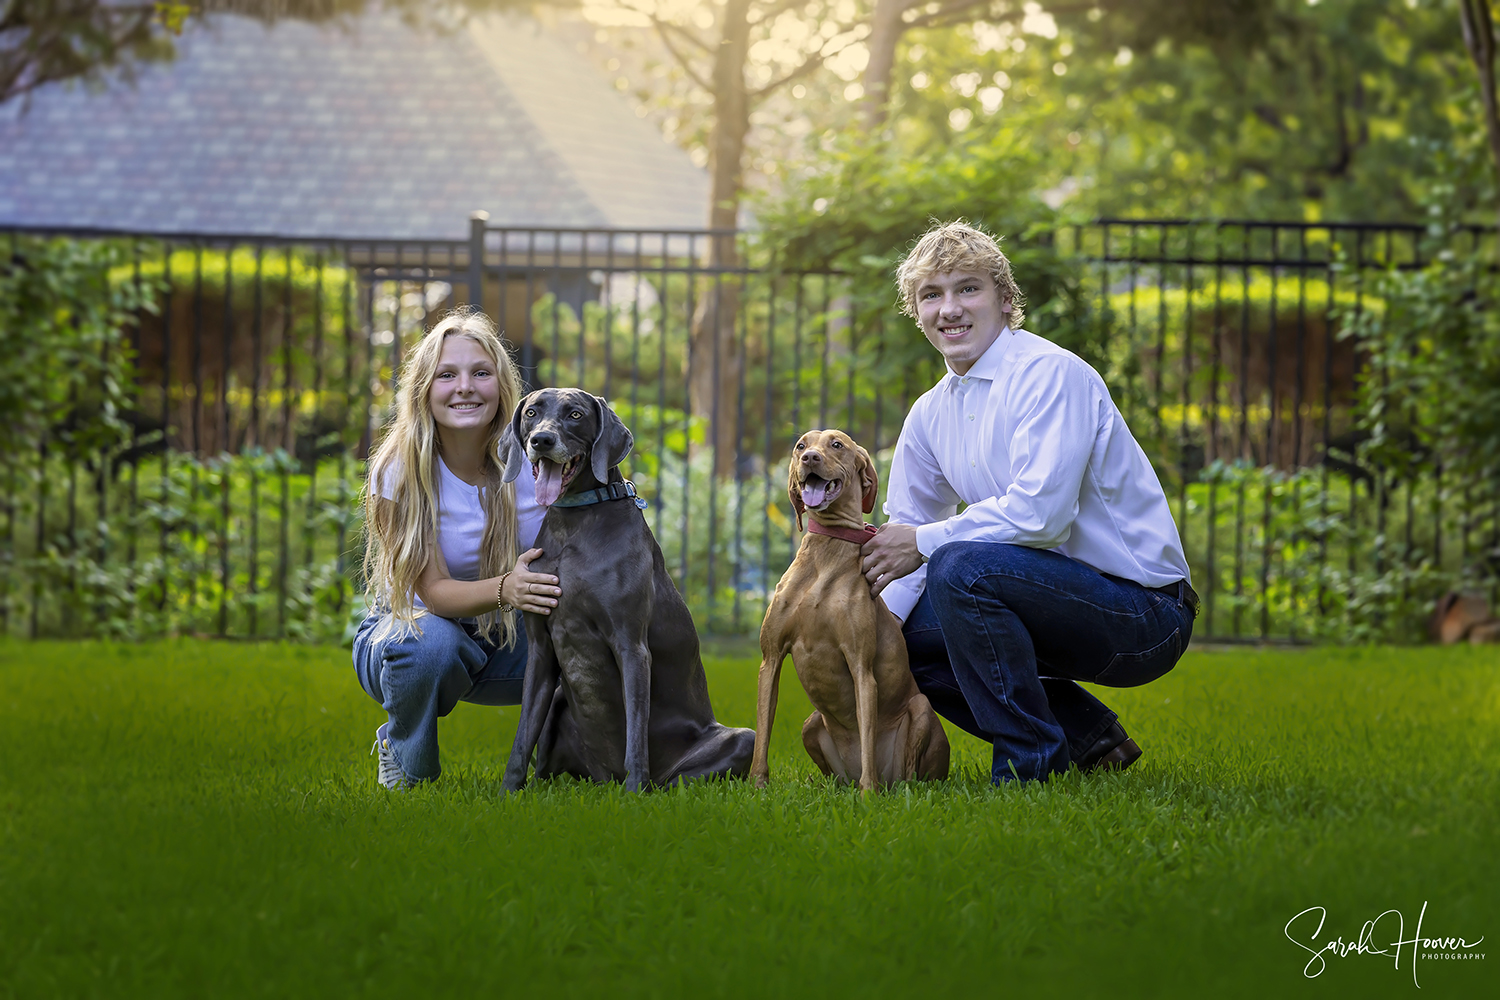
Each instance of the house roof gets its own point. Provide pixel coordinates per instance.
(367, 128)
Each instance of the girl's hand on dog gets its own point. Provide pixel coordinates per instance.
(528, 591)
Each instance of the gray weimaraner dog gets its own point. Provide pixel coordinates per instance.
(614, 685)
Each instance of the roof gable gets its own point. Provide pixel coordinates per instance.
(363, 129)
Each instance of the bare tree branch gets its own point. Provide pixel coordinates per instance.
(40, 43)
(662, 26)
(682, 32)
(808, 65)
(776, 11)
(682, 60)
(953, 7)
(959, 11)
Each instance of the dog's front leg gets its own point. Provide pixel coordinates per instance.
(635, 671)
(536, 699)
(765, 714)
(867, 710)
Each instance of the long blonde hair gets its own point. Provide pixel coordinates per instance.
(401, 532)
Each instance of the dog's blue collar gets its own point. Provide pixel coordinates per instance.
(622, 490)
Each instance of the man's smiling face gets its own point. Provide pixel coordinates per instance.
(961, 314)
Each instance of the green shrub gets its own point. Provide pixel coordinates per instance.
(65, 362)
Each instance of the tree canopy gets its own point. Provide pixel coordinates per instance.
(1350, 109)
(42, 41)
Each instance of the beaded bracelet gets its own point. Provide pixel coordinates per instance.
(500, 594)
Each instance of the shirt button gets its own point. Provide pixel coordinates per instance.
(971, 416)
(975, 464)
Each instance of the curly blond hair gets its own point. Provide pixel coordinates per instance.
(958, 246)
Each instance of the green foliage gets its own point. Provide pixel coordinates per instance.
(201, 819)
(84, 39)
(1264, 109)
(860, 210)
(101, 541)
(1431, 400)
(1268, 108)
(1363, 555)
(182, 546)
(1301, 554)
(65, 364)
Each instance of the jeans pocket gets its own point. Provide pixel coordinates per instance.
(1133, 669)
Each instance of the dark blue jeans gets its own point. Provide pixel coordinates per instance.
(1002, 633)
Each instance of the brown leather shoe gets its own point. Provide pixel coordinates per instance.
(1119, 758)
(1114, 751)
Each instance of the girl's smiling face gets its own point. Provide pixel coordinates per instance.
(465, 389)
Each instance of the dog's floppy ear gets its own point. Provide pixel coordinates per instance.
(511, 452)
(613, 443)
(793, 488)
(869, 481)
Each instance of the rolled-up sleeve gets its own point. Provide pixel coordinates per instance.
(918, 495)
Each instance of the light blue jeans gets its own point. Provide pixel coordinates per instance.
(418, 678)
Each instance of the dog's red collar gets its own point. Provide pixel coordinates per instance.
(857, 536)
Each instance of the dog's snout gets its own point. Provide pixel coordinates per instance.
(810, 457)
(542, 440)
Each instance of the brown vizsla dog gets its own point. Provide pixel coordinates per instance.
(872, 725)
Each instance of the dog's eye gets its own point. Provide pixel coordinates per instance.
(800, 446)
(576, 414)
(531, 411)
(837, 445)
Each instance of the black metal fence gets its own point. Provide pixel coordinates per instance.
(266, 367)
(1228, 361)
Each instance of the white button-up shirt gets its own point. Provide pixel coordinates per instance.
(1031, 442)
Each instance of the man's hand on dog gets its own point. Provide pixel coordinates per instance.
(891, 554)
(528, 591)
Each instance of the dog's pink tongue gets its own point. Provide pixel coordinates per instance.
(813, 491)
(549, 484)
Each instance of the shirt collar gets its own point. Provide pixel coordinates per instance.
(988, 365)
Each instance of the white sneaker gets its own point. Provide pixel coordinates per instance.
(387, 771)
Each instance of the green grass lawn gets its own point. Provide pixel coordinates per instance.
(201, 819)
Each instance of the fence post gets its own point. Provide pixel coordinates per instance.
(477, 219)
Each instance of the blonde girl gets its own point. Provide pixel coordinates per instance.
(449, 548)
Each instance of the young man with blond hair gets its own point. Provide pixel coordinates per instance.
(1065, 564)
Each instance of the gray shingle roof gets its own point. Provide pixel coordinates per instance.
(369, 129)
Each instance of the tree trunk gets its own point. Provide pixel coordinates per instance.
(1479, 39)
(886, 28)
(714, 354)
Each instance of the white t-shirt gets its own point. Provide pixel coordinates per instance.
(461, 519)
